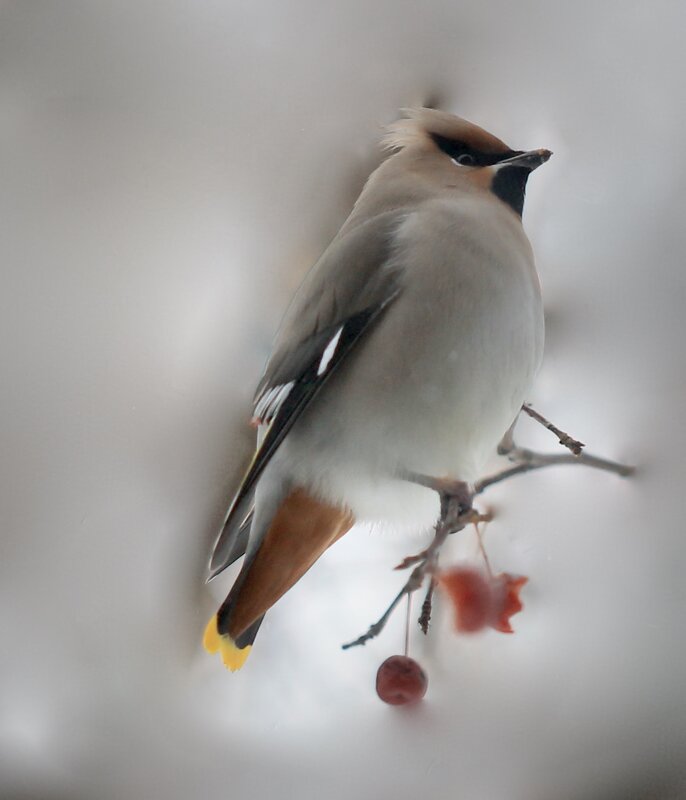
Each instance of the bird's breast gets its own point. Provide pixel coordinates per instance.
(437, 383)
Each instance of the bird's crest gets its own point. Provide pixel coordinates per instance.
(420, 124)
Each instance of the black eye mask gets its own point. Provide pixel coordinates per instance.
(470, 156)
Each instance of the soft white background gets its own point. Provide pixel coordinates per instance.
(168, 172)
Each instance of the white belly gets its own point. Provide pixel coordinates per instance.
(437, 383)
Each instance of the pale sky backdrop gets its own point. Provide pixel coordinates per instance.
(168, 173)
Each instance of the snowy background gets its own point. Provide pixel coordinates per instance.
(168, 173)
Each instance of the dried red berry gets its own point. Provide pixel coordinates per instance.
(482, 600)
(400, 680)
(505, 590)
(470, 592)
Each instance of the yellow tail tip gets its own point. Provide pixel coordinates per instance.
(214, 642)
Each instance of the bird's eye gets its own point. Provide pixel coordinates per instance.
(465, 160)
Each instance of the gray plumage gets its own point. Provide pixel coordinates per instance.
(411, 344)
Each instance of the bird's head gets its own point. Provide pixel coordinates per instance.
(467, 152)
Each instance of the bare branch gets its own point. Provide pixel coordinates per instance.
(528, 460)
(507, 443)
(457, 511)
(425, 616)
(454, 517)
(564, 438)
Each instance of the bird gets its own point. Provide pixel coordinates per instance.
(408, 350)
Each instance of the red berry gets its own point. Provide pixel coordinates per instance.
(506, 601)
(470, 592)
(480, 600)
(400, 680)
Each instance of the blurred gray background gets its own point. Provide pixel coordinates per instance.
(169, 171)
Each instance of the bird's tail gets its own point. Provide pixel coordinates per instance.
(300, 531)
(233, 653)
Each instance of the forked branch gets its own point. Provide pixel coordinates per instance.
(457, 511)
(525, 460)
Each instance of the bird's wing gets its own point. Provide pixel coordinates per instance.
(338, 303)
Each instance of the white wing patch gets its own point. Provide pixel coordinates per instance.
(270, 402)
(273, 397)
(329, 351)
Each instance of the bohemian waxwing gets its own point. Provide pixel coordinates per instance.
(408, 349)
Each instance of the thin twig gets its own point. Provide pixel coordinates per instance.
(471, 516)
(413, 583)
(454, 517)
(482, 550)
(529, 460)
(407, 624)
(410, 561)
(564, 438)
(427, 607)
(456, 510)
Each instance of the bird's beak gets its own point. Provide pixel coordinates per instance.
(529, 160)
